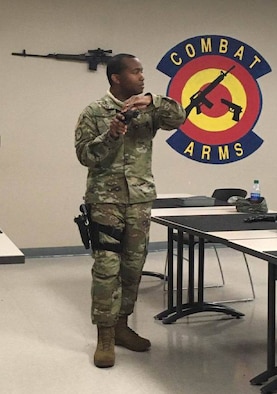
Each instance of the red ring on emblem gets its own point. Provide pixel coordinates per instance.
(249, 84)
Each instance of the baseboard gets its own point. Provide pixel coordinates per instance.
(75, 250)
(55, 251)
(81, 251)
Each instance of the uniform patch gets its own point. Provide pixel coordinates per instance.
(78, 134)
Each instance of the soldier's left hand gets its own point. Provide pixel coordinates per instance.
(137, 102)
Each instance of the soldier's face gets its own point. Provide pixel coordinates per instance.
(132, 79)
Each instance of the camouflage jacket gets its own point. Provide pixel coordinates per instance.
(119, 170)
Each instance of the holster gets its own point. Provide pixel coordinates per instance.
(89, 231)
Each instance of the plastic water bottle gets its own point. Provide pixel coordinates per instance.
(255, 192)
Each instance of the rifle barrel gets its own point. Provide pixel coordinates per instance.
(60, 56)
(27, 54)
(230, 69)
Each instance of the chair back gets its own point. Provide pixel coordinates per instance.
(225, 193)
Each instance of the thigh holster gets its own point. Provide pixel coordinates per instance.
(89, 231)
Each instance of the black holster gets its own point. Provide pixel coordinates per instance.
(89, 231)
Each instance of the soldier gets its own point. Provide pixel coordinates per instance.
(116, 146)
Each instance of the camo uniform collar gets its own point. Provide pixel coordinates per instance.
(114, 99)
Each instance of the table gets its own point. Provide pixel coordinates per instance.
(9, 253)
(167, 217)
(257, 239)
(263, 248)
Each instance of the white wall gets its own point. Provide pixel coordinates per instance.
(41, 181)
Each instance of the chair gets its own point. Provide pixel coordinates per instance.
(223, 195)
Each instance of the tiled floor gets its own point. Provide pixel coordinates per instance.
(47, 341)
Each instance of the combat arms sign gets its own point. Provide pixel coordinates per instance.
(215, 79)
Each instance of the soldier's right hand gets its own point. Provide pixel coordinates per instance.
(117, 126)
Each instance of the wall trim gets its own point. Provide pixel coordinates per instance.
(75, 250)
(59, 251)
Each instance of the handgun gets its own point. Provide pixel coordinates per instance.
(129, 115)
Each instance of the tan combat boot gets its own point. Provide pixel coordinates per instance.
(128, 338)
(104, 355)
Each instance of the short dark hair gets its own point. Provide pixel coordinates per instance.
(116, 65)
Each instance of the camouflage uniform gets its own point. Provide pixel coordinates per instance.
(121, 189)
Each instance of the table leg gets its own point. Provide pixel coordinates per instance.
(179, 300)
(201, 305)
(174, 313)
(170, 308)
(271, 323)
(170, 269)
(192, 307)
(191, 270)
(201, 261)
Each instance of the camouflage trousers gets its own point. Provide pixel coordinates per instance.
(116, 276)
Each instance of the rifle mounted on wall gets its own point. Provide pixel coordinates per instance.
(93, 57)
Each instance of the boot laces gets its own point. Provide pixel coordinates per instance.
(107, 339)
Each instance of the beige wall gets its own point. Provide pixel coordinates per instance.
(41, 181)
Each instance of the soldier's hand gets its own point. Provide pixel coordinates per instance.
(117, 126)
(137, 102)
